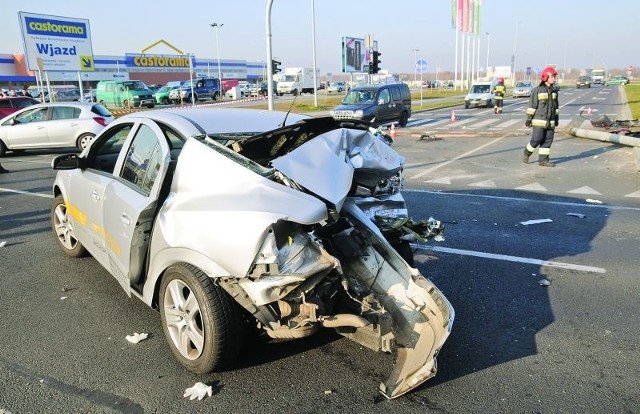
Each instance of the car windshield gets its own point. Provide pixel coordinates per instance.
(164, 89)
(522, 84)
(358, 97)
(480, 89)
(134, 85)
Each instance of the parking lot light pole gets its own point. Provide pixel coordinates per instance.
(215, 26)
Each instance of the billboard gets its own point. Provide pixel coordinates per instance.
(355, 54)
(53, 43)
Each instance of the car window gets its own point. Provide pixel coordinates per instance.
(405, 92)
(143, 160)
(112, 142)
(65, 112)
(395, 94)
(384, 97)
(99, 109)
(5, 103)
(34, 115)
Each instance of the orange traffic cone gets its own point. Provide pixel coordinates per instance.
(393, 132)
(589, 111)
(453, 116)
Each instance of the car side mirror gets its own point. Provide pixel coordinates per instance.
(65, 162)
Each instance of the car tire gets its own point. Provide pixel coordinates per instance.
(404, 118)
(63, 230)
(193, 308)
(151, 105)
(165, 101)
(3, 149)
(84, 140)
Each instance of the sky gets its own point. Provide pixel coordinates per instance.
(577, 34)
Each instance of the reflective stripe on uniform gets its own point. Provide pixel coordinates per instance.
(544, 151)
(540, 123)
(530, 148)
(543, 96)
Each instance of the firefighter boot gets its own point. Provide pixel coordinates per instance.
(526, 155)
(543, 161)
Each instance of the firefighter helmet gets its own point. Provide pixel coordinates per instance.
(548, 71)
(500, 81)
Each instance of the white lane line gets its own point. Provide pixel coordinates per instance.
(507, 258)
(9, 190)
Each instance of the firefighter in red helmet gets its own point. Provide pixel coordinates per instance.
(542, 116)
(498, 96)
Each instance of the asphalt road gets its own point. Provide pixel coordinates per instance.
(516, 347)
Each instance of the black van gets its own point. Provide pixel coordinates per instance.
(385, 102)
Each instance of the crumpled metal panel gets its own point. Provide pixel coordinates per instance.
(319, 165)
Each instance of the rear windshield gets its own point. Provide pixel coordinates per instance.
(100, 110)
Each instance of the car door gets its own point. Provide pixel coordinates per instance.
(64, 124)
(132, 201)
(27, 129)
(86, 191)
(386, 106)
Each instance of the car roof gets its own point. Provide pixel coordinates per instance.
(229, 120)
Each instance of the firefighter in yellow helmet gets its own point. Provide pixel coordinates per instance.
(542, 115)
(498, 96)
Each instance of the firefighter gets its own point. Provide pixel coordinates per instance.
(542, 115)
(498, 96)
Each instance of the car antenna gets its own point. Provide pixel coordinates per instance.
(295, 97)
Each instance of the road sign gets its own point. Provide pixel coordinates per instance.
(421, 65)
(53, 43)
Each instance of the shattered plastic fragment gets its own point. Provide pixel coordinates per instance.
(63, 297)
(591, 200)
(136, 337)
(576, 215)
(3, 243)
(544, 282)
(538, 221)
(199, 390)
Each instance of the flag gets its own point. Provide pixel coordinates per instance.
(476, 26)
(465, 16)
(454, 14)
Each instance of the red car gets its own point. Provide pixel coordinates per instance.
(12, 104)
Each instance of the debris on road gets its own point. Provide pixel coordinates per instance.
(136, 337)
(537, 221)
(3, 243)
(199, 390)
(544, 282)
(576, 215)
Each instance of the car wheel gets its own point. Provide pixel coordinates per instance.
(201, 322)
(165, 101)
(295, 92)
(466, 106)
(63, 230)
(3, 149)
(84, 140)
(125, 104)
(151, 105)
(404, 118)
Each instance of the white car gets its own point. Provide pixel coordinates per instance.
(337, 86)
(53, 125)
(523, 88)
(224, 229)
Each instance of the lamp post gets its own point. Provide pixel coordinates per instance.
(215, 26)
(415, 65)
(313, 40)
(488, 44)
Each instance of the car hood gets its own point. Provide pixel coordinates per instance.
(353, 107)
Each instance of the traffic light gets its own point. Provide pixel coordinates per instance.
(375, 64)
(275, 66)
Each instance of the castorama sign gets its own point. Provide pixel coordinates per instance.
(54, 43)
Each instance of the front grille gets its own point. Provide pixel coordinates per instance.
(343, 114)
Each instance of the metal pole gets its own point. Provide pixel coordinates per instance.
(215, 26)
(488, 43)
(313, 36)
(270, 90)
(415, 64)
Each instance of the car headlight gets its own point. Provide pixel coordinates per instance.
(332, 113)
(358, 114)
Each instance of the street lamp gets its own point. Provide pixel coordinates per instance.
(215, 26)
(488, 44)
(415, 65)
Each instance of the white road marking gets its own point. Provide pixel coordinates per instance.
(484, 184)
(584, 190)
(507, 258)
(9, 190)
(634, 194)
(532, 187)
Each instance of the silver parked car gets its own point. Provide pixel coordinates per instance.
(53, 125)
(523, 88)
(225, 222)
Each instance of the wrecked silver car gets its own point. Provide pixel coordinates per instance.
(206, 217)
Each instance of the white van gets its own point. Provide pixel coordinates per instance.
(480, 94)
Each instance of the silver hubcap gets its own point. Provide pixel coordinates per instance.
(63, 228)
(183, 319)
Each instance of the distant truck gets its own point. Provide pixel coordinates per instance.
(297, 81)
(598, 76)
